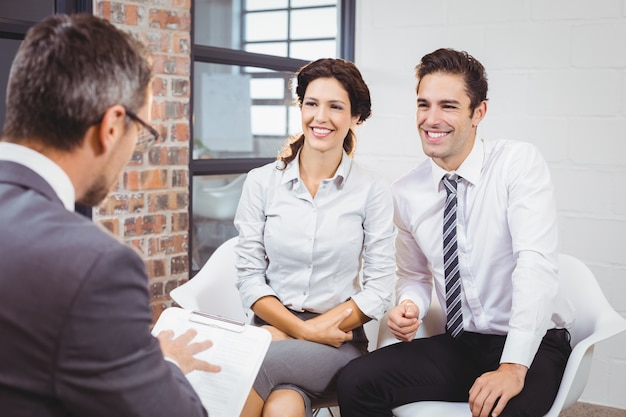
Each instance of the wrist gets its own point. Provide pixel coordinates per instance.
(409, 309)
(301, 330)
(515, 368)
(174, 361)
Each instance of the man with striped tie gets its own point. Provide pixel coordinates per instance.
(477, 220)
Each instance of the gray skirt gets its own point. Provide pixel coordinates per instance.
(309, 368)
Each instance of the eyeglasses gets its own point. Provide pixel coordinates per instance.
(148, 135)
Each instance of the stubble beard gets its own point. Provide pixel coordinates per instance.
(96, 193)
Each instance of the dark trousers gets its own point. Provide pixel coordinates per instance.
(441, 368)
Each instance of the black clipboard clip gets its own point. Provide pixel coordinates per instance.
(217, 321)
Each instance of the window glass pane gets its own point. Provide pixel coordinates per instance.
(241, 25)
(266, 4)
(268, 48)
(313, 50)
(217, 23)
(295, 121)
(8, 49)
(239, 114)
(215, 199)
(313, 23)
(269, 120)
(267, 88)
(221, 111)
(29, 10)
(266, 26)
(308, 3)
(251, 70)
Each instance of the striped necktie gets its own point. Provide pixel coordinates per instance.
(454, 321)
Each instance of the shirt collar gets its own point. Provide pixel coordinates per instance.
(343, 170)
(42, 166)
(292, 172)
(470, 168)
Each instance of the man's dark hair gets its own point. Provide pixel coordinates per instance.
(460, 63)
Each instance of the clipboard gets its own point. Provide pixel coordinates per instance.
(238, 348)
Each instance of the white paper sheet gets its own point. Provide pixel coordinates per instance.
(238, 348)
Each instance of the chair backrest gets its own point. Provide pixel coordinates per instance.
(212, 290)
(594, 314)
(217, 202)
(595, 320)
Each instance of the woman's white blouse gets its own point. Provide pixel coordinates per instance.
(308, 252)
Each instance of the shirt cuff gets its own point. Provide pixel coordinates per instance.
(422, 303)
(171, 361)
(251, 295)
(520, 347)
(371, 305)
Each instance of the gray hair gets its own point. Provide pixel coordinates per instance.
(67, 72)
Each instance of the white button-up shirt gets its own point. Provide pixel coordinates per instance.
(308, 252)
(507, 242)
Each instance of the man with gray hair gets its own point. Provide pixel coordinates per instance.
(75, 316)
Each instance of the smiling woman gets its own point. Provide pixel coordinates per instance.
(329, 89)
(302, 283)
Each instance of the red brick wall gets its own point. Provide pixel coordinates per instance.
(149, 207)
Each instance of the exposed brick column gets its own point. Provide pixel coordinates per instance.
(149, 207)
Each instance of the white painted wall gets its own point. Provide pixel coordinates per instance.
(557, 77)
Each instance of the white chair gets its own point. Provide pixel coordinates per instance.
(216, 202)
(595, 321)
(212, 290)
(214, 205)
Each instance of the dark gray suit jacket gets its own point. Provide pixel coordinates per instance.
(74, 315)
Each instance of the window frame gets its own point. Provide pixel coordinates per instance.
(16, 29)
